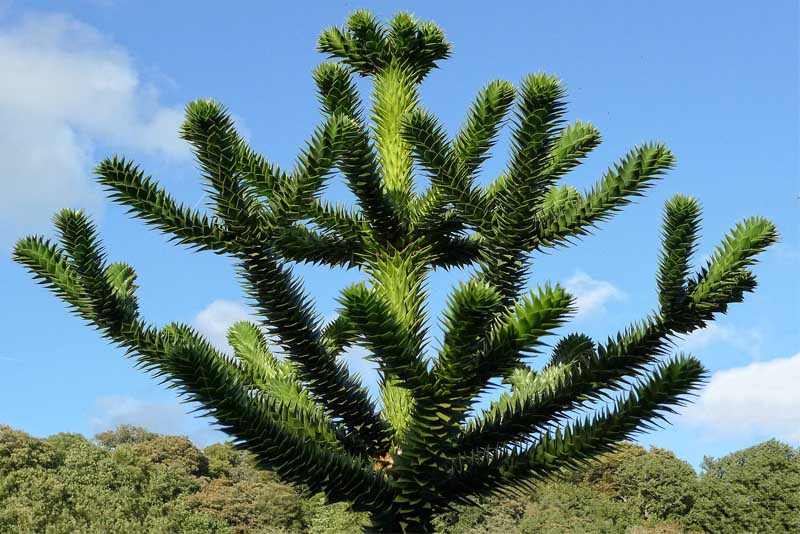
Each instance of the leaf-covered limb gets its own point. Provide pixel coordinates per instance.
(577, 375)
(51, 268)
(680, 230)
(210, 130)
(503, 265)
(278, 381)
(416, 45)
(81, 245)
(395, 95)
(441, 228)
(571, 145)
(303, 245)
(339, 334)
(341, 221)
(291, 318)
(361, 170)
(337, 92)
(292, 197)
(564, 216)
(514, 335)
(536, 124)
(726, 277)
(468, 317)
(649, 400)
(521, 377)
(260, 175)
(392, 338)
(532, 407)
(450, 182)
(360, 44)
(572, 348)
(259, 422)
(128, 186)
(483, 122)
(455, 252)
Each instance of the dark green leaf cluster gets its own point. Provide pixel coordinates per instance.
(132, 480)
(637, 491)
(424, 448)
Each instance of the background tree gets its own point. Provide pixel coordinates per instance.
(73, 485)
(754, 490)
(660, 485)
(655, 482)
(631, 489)
(67, 483)
(131, 480)
(306, 416)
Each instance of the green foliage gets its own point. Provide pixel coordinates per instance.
(19, 450)
(131, 480)
(655, 483)
(337, 518)
(576, 509)
(248, 505)
(758, 488)
(637, 491)
(661, 486)
(424, 449)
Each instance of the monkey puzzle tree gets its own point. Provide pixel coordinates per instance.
(305, 415)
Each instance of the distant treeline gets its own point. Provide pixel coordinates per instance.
(133, 481)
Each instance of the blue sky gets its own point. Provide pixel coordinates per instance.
(716, 81)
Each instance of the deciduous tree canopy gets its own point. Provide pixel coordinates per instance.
(130, 480)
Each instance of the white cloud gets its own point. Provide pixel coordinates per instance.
(760, 398)
(162, 417)
(744, 340)
(591, 295)
(216, 318)
(67, 88)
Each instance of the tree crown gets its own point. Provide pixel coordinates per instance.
(306, 416)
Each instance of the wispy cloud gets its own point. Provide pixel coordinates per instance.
(216, 318)
(747, 341)
(592, 295)
(66, 88)
(163, 417)
(761, 398)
